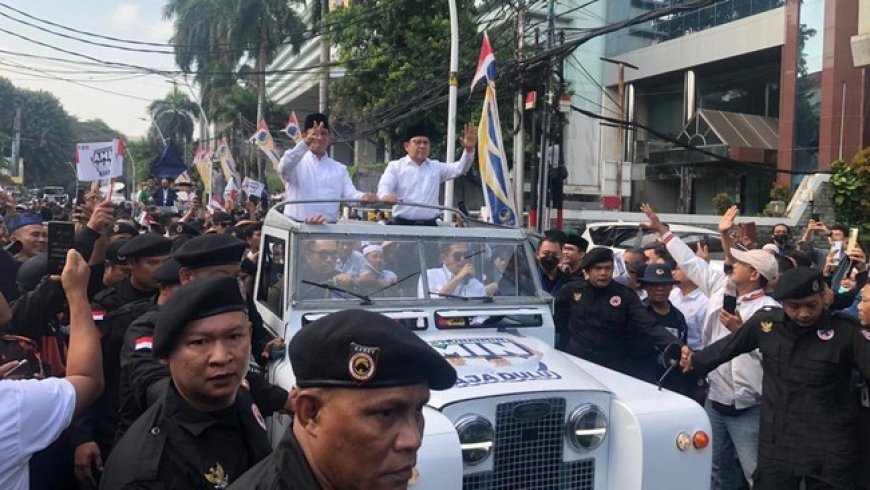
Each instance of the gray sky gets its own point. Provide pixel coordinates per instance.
(133, 20)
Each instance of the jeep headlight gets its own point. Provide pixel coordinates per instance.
(476, 438)
(586, 427)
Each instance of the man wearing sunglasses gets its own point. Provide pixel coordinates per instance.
(318, 266)
(456, 276)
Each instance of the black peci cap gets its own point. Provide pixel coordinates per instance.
(311, 119)
(193, 301)
(167, 273)
(799, 283)
(364, 349)
(146, 245)
(419, 129)
(658, 274)
(210, 249)
(222, 217)
(577, 241)
(596, 255)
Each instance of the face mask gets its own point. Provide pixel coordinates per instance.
(549, 262)
(780, 239)
(843, 290)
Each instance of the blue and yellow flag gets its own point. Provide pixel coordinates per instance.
(493, 163)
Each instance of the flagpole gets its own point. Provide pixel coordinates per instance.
(453, 81)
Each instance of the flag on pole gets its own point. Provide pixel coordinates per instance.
(485, 63)
(144, 219)
(292, 130)
(493, 162)
(265, 143)
(97, 161)
(203, 166)
(225, 157)
(231, 192)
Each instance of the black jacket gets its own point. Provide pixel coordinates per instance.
(159, 200)
(809, 411)
(609, 326)
(284, 469)
(172, 446)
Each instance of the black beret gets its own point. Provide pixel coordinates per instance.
(364, 349)
(112, 255)
(221, 217)
(596, 255)
(311, 119)
(576, 240)
(122, 228)
(657, 274)
(167, 273)
(31, 272)
(146, 245)
(210, 249)
(195, 300)
(799, 283)
(247, 230)
(180, 228)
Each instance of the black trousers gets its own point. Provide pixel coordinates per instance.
(396, 220)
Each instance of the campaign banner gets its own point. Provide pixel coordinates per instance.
(253, 187)
(98, 161)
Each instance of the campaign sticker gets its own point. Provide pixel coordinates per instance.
(825, 334)
(258, 415)
(615, 301)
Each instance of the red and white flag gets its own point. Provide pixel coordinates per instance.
(292, 130)
(485, 64)
(144, 343)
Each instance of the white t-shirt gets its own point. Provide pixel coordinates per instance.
(33, 413)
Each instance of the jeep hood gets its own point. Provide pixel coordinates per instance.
(501, 363)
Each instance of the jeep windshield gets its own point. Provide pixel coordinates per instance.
(366, 269)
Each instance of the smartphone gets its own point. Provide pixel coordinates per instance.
(816, 217)
(837, 250)
(61, 236)
(21, 363)
(80, 197)
(853, 238)
(729, 303)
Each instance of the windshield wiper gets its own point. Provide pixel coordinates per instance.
(485, 299)
(376, 291)
(364, 300)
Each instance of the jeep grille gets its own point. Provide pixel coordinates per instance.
(528, 452)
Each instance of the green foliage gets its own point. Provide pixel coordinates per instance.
(721, 202)
(851, 198)
(47, 138)
(174, 115)
(93, 130)
(780, 192)
(395, 54)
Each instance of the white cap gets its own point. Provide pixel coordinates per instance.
(770, 247)
(372, 248)
(761, 260)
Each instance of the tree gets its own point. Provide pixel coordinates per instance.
(396, 56)
(93, 130)
(174, 116)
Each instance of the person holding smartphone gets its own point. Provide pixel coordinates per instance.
(35, 412)
(734, 399)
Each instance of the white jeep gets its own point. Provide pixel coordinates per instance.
(521, 415)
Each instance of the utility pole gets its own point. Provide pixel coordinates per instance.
(547, 107)
(16, 144)
(519, 135)
(621, 140)
(533, 183)
(323, 101)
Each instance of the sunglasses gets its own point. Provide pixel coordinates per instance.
(325, 254)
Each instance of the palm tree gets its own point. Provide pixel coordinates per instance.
(174, 116)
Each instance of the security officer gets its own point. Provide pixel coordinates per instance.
(143, 253)
(608, 324)
(355, 366)
(204, 432)
(121, 230)
(181, 230)
(143, 377)
(809, 414)
(94, 432)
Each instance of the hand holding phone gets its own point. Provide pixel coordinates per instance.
(61, 237)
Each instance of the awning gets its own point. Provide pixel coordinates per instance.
(735, 136)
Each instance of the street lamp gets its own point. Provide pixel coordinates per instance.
(204, 130)
(159, 133)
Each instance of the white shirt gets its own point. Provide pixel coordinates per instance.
(693, 306)
(437, 278)
(33, 413)
(737, 382)
(352, 266)
(419, 183)
(306, 176)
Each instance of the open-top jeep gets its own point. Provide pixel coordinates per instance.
(521, 415)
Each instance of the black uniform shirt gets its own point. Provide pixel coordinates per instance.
(284, 469)
(115, 297)
(808, 412)
(609, 325)
(172, 446)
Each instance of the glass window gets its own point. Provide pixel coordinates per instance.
(477, 270)
(271, 287)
